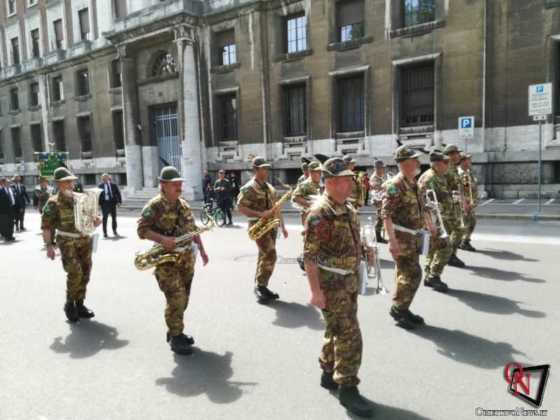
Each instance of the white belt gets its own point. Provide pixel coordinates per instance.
(71, 235)
(407, 230)
(340, 271)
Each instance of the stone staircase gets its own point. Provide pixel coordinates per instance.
(138, 199)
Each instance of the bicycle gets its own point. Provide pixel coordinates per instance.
(211, 211)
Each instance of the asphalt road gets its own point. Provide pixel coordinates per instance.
(259, 362)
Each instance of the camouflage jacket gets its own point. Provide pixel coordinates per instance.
(452, 177)
(301, 179)
(357, 197)
(470, 185)
(376, 184)
(430, 180)
(332, 235)
(306, 190)
(40, 197)
(256, 196)
(165, 218)
(58, 213)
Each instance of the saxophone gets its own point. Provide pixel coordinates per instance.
(158, 255)
(86, 210)
(263, 226)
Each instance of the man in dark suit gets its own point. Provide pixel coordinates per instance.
(223, 190)
(7, 206)
(22, 200)
(109, 198)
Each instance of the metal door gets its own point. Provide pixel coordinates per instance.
(166, 131)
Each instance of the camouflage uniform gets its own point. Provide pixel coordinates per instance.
(470, 217)
(40, 197)
(455, 232)
(332, 239)
(58, 214)
(306, 190)
(376, 183)
(440, 250)
(357, 196)
(403, 204)
(301, 179)
(261, 197)
(174, 278)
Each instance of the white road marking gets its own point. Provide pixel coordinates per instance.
(518, 201)
(486, 202)
(549, 202)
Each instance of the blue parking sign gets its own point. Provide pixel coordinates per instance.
(466, 126)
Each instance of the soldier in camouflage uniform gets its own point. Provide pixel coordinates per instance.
(332, 252)
(440, 249)
(471, 195)
(308, 190)
(164, 218)
(256, 201)
(376, 185)
(404, 217)
(305, 169)
(358, 194)
(454, 182)
(75, 247)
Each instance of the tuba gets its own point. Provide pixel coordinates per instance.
(432, 204)
(86, 210)
(371, 259)
(263, 226)
(158, 255)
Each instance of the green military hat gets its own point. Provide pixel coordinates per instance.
(335, 167)
(304, 166)
(63, 174)
(465, 156)
(170, 174)
(321, 157)
(348, 159)
(260, 162)
(436, 155)
(404, 153)
(451, 148)
(314, 166)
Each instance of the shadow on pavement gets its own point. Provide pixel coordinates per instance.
(381, 411)
(87, 338)
(204, 373)
(467, 348)
(505, 255)
(296, 315)
(494, 273)
(492, 304)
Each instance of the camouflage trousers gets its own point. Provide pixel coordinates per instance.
(470, 224)
(174, 280)
(76, 260)
(266, 259)
(441, 251)
(342, 348)
(408, 275)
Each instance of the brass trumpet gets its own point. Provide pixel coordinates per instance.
(433, 205)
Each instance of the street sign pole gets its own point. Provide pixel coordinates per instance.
(539, 205)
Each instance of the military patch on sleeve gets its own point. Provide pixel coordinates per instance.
(244, 189)
(313, 220)
(392, 189)
(48, 209)
(147, 213)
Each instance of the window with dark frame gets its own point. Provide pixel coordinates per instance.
(119, 8)
(116, 80)
(350, 103)
(417, 95)
(35, 49)
(11, 7)
(295, 110)
(57, 89)
(58, 34)
(59, 136)
(416, 12)
(14, 99)
(226, 52)
(295, 33)
(350, 20)
(227, 106)
(82, 79)
(34, 94)
(36, 137)
(2, 144)
(15, 50)
(84, 131)
(16, 142)
(83, 18)
(118, 130)
(557, 78)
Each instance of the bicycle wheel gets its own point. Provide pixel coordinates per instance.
(219, 217)
(204, 217)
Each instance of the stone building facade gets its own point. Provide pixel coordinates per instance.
(126, 86)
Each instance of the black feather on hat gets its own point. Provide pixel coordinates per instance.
(321, 158)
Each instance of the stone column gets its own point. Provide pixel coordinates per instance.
(189, 116)
(132, 148)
